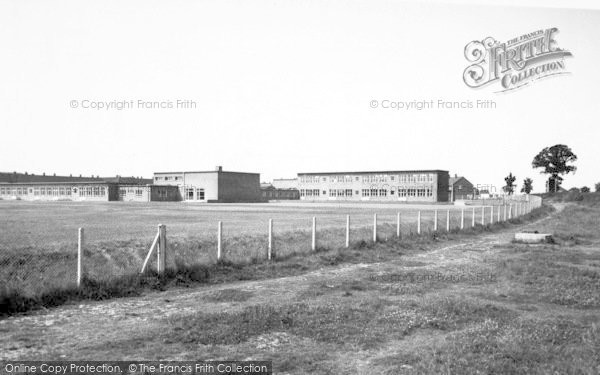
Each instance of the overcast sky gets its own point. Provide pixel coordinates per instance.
(283, 87)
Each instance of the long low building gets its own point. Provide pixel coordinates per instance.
(18, 186)
(403, 186)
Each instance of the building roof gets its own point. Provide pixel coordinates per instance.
(381, 172)
(22, 178)
(215, 171)
(455, 179)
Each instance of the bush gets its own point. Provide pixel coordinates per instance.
(597, 187)
(585, 189)
(574, 195)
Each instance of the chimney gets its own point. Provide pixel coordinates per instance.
(79, 176)
(219, 168)
(43, 174)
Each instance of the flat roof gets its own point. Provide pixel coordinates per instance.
(378, 172)
(205, 172)
(59, 183)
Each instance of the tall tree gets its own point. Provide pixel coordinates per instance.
(597, 186)
(556, 162)
(527, 186)
(510, 184)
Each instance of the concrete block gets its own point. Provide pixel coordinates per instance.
(528, 237)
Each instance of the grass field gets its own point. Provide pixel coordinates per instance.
(38, 245)
(464, 303)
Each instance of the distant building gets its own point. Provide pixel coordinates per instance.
(285, 183)
(270, 192)
(24, 186)
(213, 186)
(403, 186)
(460, 188)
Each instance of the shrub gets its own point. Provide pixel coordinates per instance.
(574, 195)
(585, 189)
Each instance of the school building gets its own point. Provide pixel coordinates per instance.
(216, 186)
(400, 186)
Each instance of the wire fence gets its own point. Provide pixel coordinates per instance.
(36, 264)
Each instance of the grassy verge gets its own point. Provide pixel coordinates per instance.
(185, 269)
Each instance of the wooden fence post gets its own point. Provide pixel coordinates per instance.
(492, 215)
(162, 249)
(270, 245)
(462, 218)
(80, 257)
(473, 218)
(347, 231)
(398, 234)
(374, 227)
(482, 215)
(510, 211)
(504, 212)
(498, 218)
(314, 234)
(419, 222)
(219, 240)
(447, 220)
(435, 221)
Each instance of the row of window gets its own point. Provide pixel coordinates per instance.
(13, 191)
(136, 191)
(189, 194)
(424, 192)
(167, 178)
(371, 178)
(86, 191)
(402, 192)
(91, 191)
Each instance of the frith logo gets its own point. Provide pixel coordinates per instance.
(515, 63)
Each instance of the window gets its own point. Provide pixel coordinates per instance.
(382, 192)
(302, 192)
(138, 192)
(324, 192)
(316, 192)
(333, 193)
(200, 194)
(348, 192)
(366, 192)
(189, 194)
